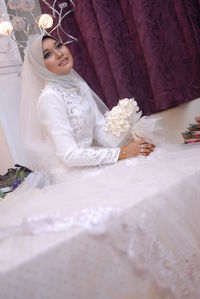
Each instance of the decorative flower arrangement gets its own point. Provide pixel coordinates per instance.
(2, 195)
(192, 134)
(122, 117)
(12, 179)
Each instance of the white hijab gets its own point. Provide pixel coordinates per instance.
(34, 77)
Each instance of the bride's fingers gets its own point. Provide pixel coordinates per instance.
(146, 148)
(152, 147)
(141, 140)
(145, 151)
(147, 145)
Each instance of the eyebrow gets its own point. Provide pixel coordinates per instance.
(45, 50)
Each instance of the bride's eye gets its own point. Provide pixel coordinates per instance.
(47, 55)
(59, 45)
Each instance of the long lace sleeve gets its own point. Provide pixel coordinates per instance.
(52, 114)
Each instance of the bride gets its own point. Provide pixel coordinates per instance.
(127, 222)
(69, 115)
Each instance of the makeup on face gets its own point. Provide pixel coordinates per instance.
(57, 57)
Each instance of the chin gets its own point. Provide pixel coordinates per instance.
(67, 70)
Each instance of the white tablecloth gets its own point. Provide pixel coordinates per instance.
(107, 240)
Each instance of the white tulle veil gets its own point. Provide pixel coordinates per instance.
(34, 77)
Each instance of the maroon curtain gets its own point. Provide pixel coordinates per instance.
(145, 49)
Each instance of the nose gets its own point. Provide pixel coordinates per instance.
(58, 53)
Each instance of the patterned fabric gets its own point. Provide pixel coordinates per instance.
(132, 231)
(143, 49)
(12, 179)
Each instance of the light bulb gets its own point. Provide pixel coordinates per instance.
(5, 28)
(45, 21)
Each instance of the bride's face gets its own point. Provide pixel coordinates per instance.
(57, 57)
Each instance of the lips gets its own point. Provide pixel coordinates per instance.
(64, 61)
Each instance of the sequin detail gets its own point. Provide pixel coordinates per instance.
(82, 120)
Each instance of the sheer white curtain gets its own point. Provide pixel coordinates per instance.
(10, 67)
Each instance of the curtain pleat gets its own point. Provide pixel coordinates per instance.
(145, 49)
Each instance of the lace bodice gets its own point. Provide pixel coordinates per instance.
(78, 111)
(73, 123)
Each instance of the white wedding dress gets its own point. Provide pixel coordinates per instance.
(106, 229)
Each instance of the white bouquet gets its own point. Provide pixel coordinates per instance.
(121, 118)
(124, 120)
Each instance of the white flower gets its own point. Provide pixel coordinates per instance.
(122, 117)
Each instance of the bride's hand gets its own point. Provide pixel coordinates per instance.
(135, 148)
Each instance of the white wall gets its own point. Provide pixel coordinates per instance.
(176, 120)
(5, 156)
(9, 114)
